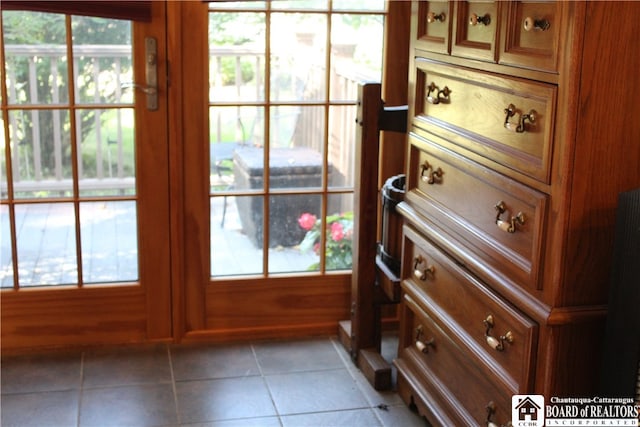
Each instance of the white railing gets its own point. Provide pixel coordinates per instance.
(308, 127)
(29, 173)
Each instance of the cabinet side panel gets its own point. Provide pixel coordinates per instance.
(607, 158)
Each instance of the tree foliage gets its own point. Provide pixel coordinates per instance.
(49, 31)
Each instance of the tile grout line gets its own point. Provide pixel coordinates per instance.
(81, 388)
(173, 386)
(337, 345)
(348, 364)
(266, 384)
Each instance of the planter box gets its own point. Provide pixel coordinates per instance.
(294, 168)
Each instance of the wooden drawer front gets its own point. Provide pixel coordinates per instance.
(532, 31)
(474, 30)
(437, 282)
(460, 378)
(461, 197)
(468, 109)
(433, 21)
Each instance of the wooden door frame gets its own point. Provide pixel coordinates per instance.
(190, 103)
(156, 215)
(110, 314)
(193, 318)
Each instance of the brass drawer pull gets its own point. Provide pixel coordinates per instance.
(496, 343)
(491, 410)
(440, 95)
(430, 178)
(432, 17)
(421, 274)
(508, 226)
(520, 127)
(474, 19)
(535, 24)
(421, 345)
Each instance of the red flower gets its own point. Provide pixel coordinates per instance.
(307, 221)
(337, 231)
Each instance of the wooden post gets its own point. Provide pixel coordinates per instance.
(363, 319)
(362, 334)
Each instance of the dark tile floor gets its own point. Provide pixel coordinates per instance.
(307, 382)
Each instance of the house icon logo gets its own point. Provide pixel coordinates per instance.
(527, 410)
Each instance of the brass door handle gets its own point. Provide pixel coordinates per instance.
(519, 127)
(496, 343)
(423, 345)
(433, 177)
(432, 17)
(440, 95)
(510, 225)
(474, 19)
(491, 410)
(530, 23)
(421, 274)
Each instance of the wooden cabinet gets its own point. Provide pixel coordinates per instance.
(475, 29)
(523, 131)
(496, 119)
(432, 25)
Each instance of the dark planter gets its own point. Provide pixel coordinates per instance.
(293, 168)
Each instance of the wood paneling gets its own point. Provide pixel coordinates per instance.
(64, 317)
(275, 307)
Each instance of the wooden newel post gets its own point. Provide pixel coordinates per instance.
(363, 317)
(362, 334)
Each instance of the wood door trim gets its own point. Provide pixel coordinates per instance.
(153, 212)
(191, 302)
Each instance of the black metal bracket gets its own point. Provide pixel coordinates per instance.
(394, 119)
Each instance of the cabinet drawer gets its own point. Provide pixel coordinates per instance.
(474, 30)
(499, 119)
(432, 22)
(458, 377)
(481, 318)
(500, 221)
(532, 31)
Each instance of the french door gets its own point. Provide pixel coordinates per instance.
(84, 203)
(269, 156)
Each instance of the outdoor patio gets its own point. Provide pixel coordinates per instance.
(233, 252)
(47, 246)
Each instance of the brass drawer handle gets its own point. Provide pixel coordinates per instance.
(474, 19)
(440, 95)
(496, 343)
(508, 226)
(520, 127)
(491, 410)
(430, 178)
(432, 17)
(535, 24)
(421, 274)
(421, 345)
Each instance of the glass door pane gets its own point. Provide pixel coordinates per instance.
(282, 102)
(70, 141)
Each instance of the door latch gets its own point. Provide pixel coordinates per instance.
(151, 72)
